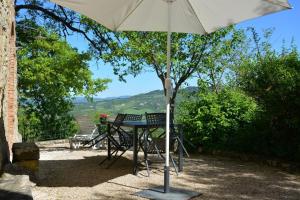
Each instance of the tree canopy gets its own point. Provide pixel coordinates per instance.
(63, 21)
(50, 73)
(136, 52)
(257, 111)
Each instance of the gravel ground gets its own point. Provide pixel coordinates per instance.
(66, 174)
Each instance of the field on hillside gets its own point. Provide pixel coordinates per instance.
(139, 104)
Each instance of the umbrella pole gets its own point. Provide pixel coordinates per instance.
(168, 88)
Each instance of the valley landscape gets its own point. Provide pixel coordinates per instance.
(138, 104)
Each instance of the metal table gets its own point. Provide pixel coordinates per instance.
(136, 125)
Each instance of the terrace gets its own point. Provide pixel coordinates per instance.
(67, 174)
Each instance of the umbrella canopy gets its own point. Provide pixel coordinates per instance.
(184, 16)
(188, 16)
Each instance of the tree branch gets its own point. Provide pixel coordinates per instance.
(62, 20)
(189, 72)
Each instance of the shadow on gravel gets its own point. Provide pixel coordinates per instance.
(232, 179)
(80, 173)
(9, 195)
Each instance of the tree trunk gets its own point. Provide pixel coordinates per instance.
(8, 80)
(172, 113)
(172, 109)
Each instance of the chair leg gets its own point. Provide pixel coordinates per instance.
(94, 141)
(114, 142)
(103, 161)
(115, 151)
(184, 149)
(147, 166)
(118, 157)
(174, 164)
(158, 153)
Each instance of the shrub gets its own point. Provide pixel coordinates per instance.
(274, 81)
(213, 118)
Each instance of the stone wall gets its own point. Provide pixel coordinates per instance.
(8, 81)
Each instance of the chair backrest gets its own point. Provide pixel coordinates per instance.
(125, 139)
(116, 125)
(155, 119)
(119, 119)
(133, 117)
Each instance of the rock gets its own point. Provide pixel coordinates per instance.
(25, 151)
(32, 165)
(26, 155)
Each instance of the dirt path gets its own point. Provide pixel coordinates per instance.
(66, 174)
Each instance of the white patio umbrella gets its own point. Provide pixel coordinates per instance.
(185, 16)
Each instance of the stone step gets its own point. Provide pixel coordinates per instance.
(15, 187)
(25, 151)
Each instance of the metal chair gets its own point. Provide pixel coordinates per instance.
(133, 117)
(123, 141)
(156, 145)
(86, 140)
(156, 120)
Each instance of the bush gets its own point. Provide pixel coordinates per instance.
(274, 81)
(38, 127)
(213, 119)
(262, 117)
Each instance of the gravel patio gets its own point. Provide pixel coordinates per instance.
(66, 174)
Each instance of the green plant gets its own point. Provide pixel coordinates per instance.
(213, 118)
(273, 79)
(50, 73)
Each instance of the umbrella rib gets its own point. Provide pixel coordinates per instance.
(188, 1)
(125, 18)
(279, 4)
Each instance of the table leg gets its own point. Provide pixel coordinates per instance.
(145, 146)
(135, 151)
(180, 156)
(108, 143)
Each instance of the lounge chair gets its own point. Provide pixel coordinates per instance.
(86, 140)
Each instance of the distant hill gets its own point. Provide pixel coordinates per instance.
(149, 102)
(79, 100)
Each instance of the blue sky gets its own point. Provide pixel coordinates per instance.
(286, 24)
